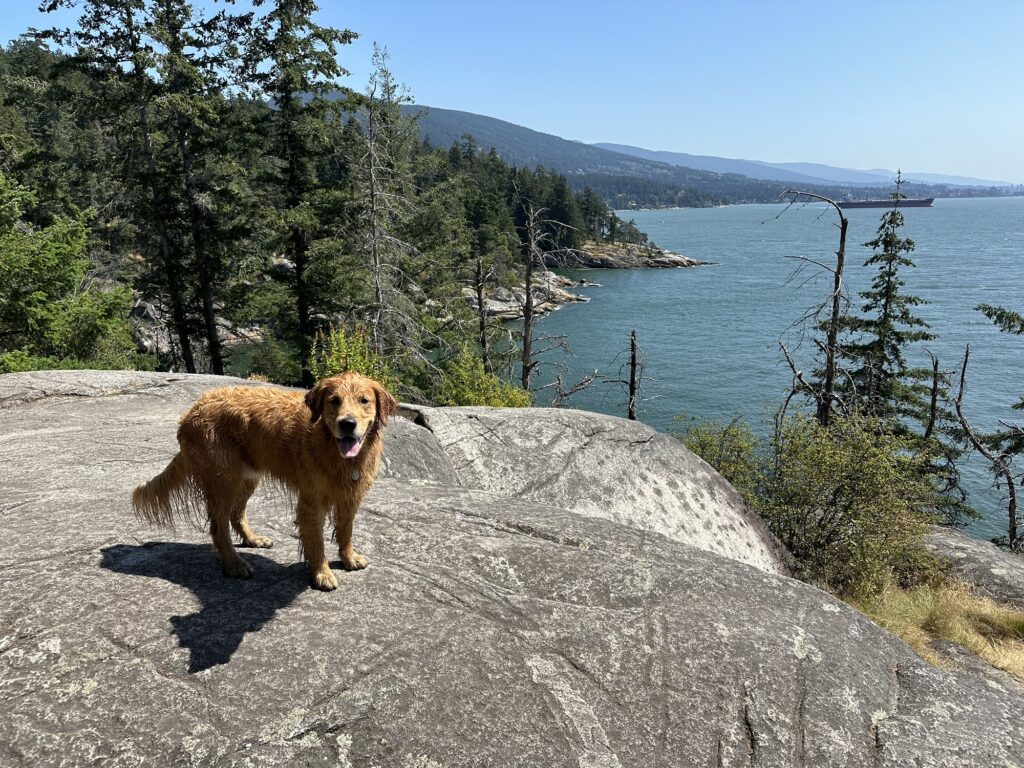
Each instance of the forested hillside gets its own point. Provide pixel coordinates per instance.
(636, 178)
(189, 192)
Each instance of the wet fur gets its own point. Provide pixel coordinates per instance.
(232, 437)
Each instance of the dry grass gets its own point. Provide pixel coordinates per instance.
(952, 612)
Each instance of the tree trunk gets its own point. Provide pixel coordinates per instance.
(631, 407)
(1000, 464)
(528, 362)
(203, 263)
(933, 409)
(299, 237)
(828, 392)
(482, 314)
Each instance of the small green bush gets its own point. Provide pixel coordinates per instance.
(51, 314)
(849, 503)
(732, 449)
(339, 350)
(465, 382)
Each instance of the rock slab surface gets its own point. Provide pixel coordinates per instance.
(494, 626)
(992, 572)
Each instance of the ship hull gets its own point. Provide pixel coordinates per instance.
(908, 202)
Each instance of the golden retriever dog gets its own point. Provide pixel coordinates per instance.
(324, 445)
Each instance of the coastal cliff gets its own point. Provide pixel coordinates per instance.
(546, 587)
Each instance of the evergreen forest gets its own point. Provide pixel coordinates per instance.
(204, 191)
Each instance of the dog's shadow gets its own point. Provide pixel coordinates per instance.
(231, 608)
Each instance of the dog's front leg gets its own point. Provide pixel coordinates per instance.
(344, 517)
(309, 517)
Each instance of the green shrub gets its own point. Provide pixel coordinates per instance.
(20, 360)
(339, 350)
(51, 314)
(732, 449)
(465, 382)
(848, 502)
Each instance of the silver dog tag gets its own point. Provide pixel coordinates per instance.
(355, 475)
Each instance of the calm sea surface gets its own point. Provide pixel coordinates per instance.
(711, 334)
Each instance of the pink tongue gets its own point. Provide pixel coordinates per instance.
(349, 447)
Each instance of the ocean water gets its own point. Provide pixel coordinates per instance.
(710, 335)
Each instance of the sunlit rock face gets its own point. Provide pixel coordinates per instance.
(530, 600)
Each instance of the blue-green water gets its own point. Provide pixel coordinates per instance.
(711, 334)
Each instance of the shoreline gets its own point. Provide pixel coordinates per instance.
(594, 255)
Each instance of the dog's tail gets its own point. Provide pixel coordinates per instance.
(155, 501)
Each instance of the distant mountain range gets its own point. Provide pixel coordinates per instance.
(631, 176)
(527, 148)
(807, 173)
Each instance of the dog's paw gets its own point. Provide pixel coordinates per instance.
(325, 581)
(353, 562)
(237, 568)
(259, 542)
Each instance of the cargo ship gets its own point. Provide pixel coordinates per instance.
(906, 202)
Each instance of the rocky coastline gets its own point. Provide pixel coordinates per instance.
(550, 290)
(549, 293)
(595, 255)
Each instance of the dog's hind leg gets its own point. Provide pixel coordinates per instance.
(220, 500)
(240, 521)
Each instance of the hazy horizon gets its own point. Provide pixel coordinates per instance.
(935, 89)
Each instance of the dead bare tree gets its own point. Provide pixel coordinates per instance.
(534, 237)
(633, 382)
(481, 276)
(933, 406)
(562, 392)
(630, 377)
(826, 396)
(1001, 462)
(381, 208)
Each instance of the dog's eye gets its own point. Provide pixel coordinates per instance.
(335, 400)
(364, 400)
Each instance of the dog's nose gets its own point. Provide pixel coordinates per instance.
(348, 424)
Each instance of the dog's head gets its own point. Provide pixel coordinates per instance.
(351, 407)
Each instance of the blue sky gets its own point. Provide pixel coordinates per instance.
(931, 86)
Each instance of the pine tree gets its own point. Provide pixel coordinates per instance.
(197, 54)
(595, 213)
(382, 208)
(112, 45)
(878, 381)
(1003, 447)
(294, 65)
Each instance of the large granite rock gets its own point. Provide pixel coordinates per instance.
(491, 628)
(606, 467)
(992, 571)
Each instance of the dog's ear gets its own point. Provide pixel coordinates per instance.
(315, 401)
(386, 405)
